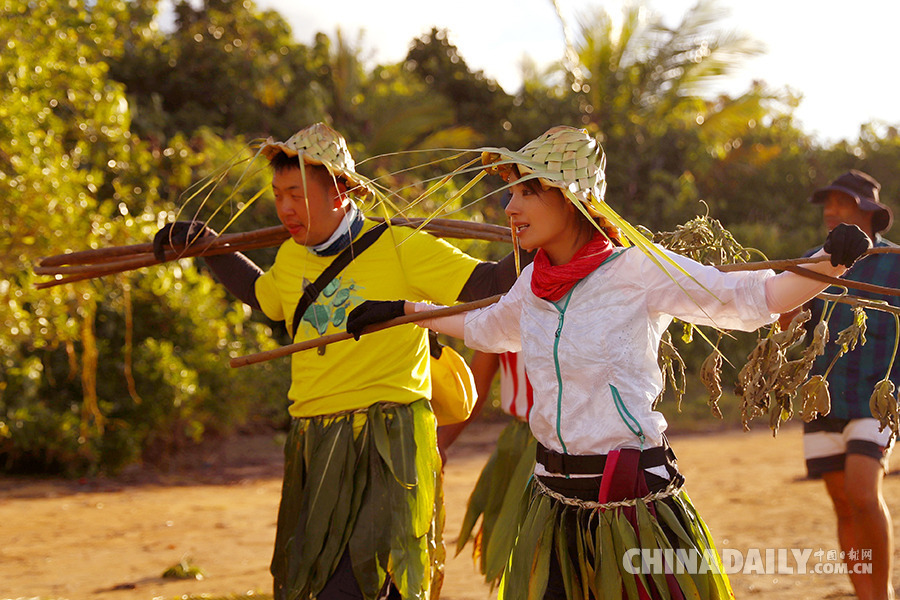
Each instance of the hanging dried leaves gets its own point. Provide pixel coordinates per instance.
(856, 332)
(820, 339)
(768, 383)
(704, 240)
(768, 380)
(711, 376)
(884, 406)
(672, 367)
(815, 398)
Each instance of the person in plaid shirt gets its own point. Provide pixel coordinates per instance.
(846, 448)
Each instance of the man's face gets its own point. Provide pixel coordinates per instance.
(310, 212)
(840, 208)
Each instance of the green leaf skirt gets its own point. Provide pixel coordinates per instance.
(367, 482)
(590, 544)
(496, 499)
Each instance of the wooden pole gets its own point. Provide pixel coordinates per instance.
(87, 264)
(845, 283)
(782, 265)
(85, 257)
(250, 359)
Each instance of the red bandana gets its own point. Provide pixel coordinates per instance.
(553, 282)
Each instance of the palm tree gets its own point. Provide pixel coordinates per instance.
(639, 85)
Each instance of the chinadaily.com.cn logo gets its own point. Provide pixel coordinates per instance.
(760, 561)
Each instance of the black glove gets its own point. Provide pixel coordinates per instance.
(177, 235)
(846, 243)
(435, 347)
(371, 312)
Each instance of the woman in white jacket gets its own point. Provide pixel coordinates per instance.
(587, 316)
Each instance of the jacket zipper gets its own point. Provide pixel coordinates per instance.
(559, 327)
(559, 382)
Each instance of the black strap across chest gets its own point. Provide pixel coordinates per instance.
(312, 290)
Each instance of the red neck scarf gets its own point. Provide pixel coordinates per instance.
(553, 282)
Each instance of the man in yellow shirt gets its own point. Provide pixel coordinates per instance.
(361, 514)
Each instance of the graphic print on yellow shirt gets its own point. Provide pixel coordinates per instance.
(386, 366)
(332, 309)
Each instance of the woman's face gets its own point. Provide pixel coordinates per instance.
(543, 219)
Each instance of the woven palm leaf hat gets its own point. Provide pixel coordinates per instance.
(570, 159)
(319, 144)
(563, 157)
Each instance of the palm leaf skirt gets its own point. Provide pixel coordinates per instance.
(367, 482)
(496, 500)
(587, 545)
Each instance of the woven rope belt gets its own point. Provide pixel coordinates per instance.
(672, 489)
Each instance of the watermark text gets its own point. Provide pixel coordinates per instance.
(759, 561)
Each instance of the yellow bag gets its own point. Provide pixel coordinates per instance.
(453, 392)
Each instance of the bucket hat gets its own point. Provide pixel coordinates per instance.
(863, 188)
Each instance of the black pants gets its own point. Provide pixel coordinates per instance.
(342, 584)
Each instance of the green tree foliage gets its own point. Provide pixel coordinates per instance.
(227, 66)
(477, 101)
(776, 165)
(65, 129)
(639, 87)
(74, 177)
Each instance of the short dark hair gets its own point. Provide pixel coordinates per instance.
(532, 184)
(282, 162)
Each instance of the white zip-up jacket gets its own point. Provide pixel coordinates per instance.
(598, 346)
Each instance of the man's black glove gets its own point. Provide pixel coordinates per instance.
(845, 243)
(371, 312)
(177, 235)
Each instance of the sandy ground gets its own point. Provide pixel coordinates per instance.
(111, 539)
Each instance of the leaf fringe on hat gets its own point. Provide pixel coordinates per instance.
(571, 160)
(318, 145)
(566, 158)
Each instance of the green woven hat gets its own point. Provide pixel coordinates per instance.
(563, 157)
(319, 144)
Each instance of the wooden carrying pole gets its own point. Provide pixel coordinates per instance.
(88, 264)
(784, 264)
(250, 359)
(275, 235)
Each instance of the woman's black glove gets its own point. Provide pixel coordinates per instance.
(371, 312)
(846, 243)
(177, 235)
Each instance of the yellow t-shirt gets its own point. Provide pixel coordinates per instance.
(387, 366)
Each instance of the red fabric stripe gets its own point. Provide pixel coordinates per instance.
(529, 395)
(512, 360)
